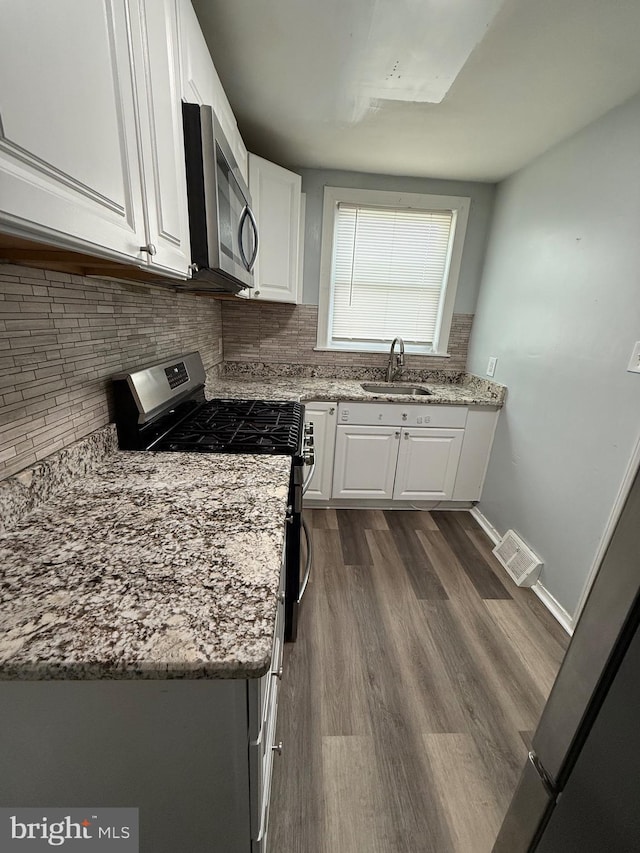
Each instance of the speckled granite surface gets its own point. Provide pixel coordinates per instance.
(152, 566)
(32, 486)
(254, 369)
(473, 391)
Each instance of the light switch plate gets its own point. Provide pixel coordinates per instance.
(634, 361)
(491, 366)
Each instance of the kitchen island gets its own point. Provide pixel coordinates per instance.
(140, 624)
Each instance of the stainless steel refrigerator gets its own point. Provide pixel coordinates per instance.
(580, 788)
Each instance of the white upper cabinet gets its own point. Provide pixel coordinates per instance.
(198, 74)
(276, 198)
(69, 164)
(201, 84)
(90, 153)
(158, 78)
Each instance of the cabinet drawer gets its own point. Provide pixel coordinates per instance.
(402, 414)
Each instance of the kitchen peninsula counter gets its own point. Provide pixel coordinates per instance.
(151, 565)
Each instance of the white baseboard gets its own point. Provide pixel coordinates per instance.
(486, 525)
(557, 610)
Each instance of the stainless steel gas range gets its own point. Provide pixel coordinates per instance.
(162, 407)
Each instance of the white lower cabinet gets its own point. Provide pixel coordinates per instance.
(263, 715)
(427, 464)
(411, 452)
(365, 461)
(402, 464)
(323, 418)
(194, 755)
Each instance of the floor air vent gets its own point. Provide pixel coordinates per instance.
(518, 559)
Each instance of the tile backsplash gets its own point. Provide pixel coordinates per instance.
(61, 338)
(272, 333)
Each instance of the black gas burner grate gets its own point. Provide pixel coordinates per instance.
(239, 426)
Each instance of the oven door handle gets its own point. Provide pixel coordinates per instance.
(307, 568)
(309, 477)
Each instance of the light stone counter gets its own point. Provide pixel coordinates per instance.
(472, 391)
(152, 565)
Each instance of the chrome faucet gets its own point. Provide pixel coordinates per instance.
(396, 360)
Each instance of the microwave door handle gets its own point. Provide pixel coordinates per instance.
(254, 225)
(243, 216)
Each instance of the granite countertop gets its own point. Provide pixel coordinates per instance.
(472, 392)
(152, 565)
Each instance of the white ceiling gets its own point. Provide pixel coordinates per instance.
(316, 83)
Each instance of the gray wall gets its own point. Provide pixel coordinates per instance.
(481, 195)
(559, 306)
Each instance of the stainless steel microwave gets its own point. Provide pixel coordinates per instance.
(224, 232)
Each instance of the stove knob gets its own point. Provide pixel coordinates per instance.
(309, 456)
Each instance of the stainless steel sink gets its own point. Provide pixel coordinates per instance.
(387, 388)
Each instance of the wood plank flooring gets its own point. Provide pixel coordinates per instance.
(410, 697)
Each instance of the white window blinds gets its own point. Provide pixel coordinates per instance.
(389, 273)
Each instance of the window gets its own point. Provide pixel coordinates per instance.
(389, 267)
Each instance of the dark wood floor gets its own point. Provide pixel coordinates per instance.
(409, 699)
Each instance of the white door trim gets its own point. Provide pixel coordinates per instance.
(625, 487)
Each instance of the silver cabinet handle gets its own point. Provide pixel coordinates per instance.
(278, 673)
(277, 747)
(397, 433)
(281, 597)
(150, 249)
(406, 435)
(332, 410)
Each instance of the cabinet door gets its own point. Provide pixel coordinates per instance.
(275, 193)
(427, 464)
(158, 78)
(365, 461)
(200, 81)
(323, 418)
(69, 158)
(476, 449)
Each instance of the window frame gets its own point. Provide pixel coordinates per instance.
(459, 205)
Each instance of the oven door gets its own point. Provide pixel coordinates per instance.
(293, 531)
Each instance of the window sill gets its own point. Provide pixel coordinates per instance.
(385, 351)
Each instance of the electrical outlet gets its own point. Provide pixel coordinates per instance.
(634, 361)
(491, 367)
